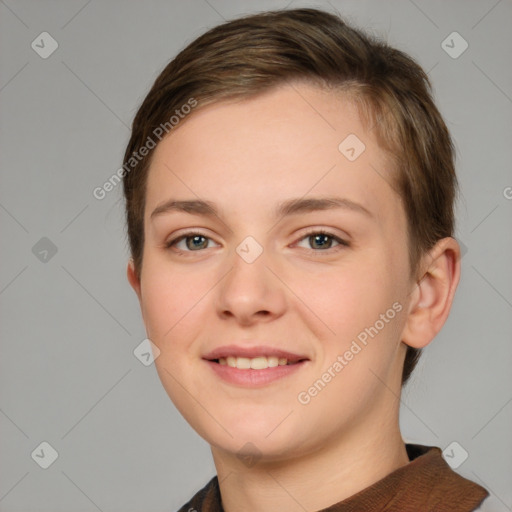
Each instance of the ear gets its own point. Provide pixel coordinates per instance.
(133, 279)
(432, 297)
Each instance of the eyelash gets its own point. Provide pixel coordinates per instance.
(341, 243)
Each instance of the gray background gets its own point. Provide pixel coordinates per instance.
(69, 320)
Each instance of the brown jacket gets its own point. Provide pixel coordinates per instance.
(426, 484)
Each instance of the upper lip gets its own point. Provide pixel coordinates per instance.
(250, 352)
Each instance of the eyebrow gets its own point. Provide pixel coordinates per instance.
(287, 208)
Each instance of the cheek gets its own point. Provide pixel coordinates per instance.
(358, 308)
(170, 299)
(347, 297)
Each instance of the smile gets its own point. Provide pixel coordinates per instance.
(255, 372)
(253, 366)
(254, 363)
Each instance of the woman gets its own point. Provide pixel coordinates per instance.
(289, 190)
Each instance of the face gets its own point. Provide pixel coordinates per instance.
(283, 238)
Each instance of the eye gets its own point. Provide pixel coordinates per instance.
(320, 240)
(190, 242)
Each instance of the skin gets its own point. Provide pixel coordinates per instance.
(248, 156)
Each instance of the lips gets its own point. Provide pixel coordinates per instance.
(254, 367)
(266, 351)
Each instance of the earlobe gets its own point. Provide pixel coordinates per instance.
(133, 278)
(432, 299)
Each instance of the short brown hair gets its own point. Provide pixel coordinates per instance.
(252, 54)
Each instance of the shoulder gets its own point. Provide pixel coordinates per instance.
(426, 483)
(434, 483)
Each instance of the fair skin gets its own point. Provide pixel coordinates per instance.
(308, 296)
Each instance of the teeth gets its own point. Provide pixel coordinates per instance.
(255, 363)
(244, 363)
(273, 362)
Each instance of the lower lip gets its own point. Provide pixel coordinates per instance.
(254, 378)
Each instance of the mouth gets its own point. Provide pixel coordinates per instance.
(255, 366)
(255, 363)
(255, 358)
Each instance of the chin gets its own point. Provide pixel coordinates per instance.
(250, 450)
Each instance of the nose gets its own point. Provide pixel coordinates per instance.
(250, 292)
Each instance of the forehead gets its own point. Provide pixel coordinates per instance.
(291, 141)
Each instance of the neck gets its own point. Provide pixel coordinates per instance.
(341, 468)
